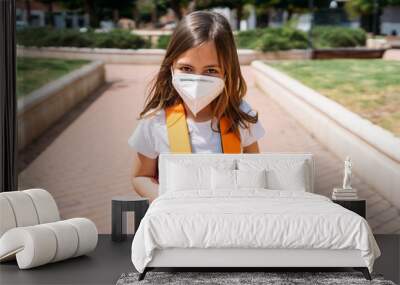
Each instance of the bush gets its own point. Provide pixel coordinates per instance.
(163, 41)
(272, 39)
(333, 36)
(275, 39)
(285, 38)
(42, 37)
(247, 39)
(263, 39)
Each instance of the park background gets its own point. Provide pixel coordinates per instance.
(323, 75)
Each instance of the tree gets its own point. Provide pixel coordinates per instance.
(176, 6)
(292, 6)
(300, 6)
(28, 12)
(91, 11)
(233, 4)
(370, 12)
(86, 5)
(263, 9)
(50, 16)
(145, 10)
(113, 9)
(360, 7)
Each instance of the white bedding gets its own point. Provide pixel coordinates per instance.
(251, 218)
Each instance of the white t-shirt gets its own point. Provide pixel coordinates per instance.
(150, 136)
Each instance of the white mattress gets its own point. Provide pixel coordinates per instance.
(252, 218)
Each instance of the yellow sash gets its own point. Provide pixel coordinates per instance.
(178, 133)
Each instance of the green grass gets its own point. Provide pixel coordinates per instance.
(370, 88)
(33, 73)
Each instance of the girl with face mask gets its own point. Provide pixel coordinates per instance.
(199, 83)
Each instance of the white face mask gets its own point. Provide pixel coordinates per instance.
(197, 91)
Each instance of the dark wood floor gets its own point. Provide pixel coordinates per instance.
(110, 259)
(102, 266)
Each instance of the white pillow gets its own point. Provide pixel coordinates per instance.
(183, 177)
(189, 173)
(291, 179)
(223, 179)
(229, 179)
(282, 174)
(251, 178)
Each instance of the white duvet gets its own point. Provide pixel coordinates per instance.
(251, 218)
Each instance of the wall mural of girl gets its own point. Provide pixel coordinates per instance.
(195, 103)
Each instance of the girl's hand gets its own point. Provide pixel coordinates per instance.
(143, 173)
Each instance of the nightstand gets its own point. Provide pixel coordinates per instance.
(358, 206)
(119, 206)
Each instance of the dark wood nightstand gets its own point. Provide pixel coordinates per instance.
(358, 206)
(122, 204)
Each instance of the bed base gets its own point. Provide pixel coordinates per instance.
(364, 270)
(245, 259)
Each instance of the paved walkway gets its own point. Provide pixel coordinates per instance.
(90, 160)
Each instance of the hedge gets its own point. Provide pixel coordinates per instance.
(333, 36)
(275, 39)
(163, 41)
(249, 38)
(271, 39)
(285, 38)
(43, 37)
(263, 39)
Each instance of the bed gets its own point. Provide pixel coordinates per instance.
(244, 211)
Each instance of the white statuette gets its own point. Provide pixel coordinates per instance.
(347, 173)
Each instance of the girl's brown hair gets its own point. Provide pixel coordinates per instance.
(194, 29)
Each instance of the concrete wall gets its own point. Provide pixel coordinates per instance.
(374, 151)
(331, 53)
(108, 55)
(43, 107)
(155, 56)
(378, 43)
(299, 54)
(143, 56)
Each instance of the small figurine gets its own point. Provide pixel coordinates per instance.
(347, 173)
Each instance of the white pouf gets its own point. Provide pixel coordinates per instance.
(31, 231)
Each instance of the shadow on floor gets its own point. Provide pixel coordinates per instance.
(34, 149)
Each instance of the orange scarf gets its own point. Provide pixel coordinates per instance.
(178, 133)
